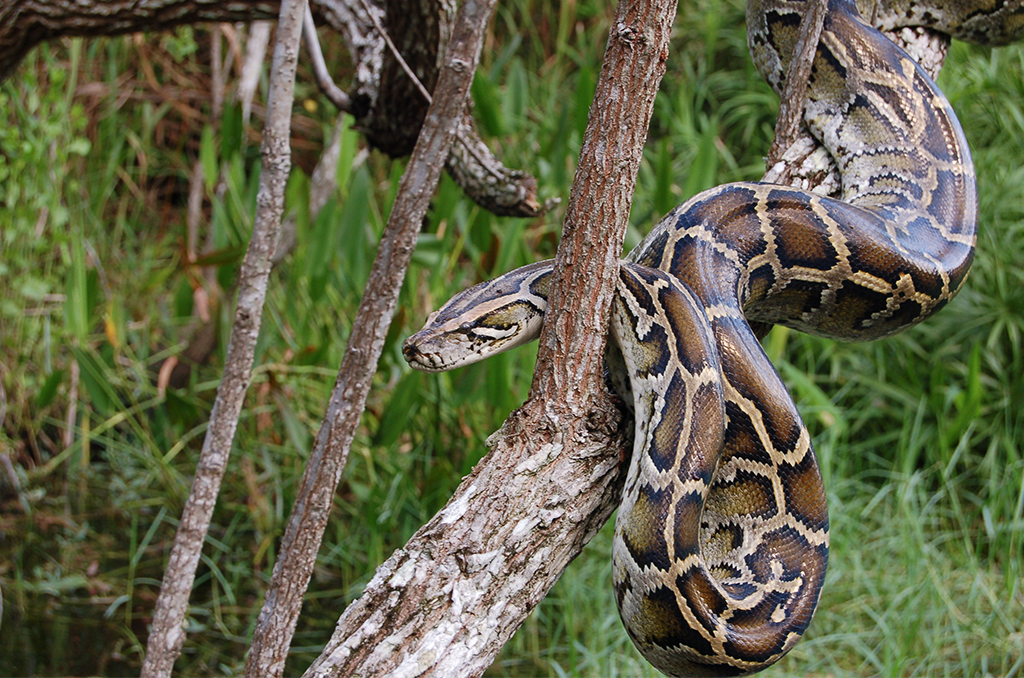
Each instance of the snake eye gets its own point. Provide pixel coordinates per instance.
(465, 328)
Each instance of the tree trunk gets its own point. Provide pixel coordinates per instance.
(446, 603)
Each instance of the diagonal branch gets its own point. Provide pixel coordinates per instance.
(294, 566)
(446, 603)
(319, 66)
(794, 92)
(795, 157)
(166, 635)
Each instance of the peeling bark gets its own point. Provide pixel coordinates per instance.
(446, 603)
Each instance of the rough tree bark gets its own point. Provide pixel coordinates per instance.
(166, 634)
(294, 565)
(447, 602)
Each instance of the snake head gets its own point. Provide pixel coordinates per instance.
(482, 320)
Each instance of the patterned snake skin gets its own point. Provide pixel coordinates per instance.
(721, 540)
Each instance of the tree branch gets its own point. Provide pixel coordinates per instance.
(384, 98)
(320, 72)
(166, 635)
(294, 566)
(447, 602)
(791, 102)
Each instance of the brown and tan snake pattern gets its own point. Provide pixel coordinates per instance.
(721, 540)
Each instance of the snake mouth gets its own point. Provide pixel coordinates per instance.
(421, 360)
(417, 359)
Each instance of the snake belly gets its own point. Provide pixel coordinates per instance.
(721, 540)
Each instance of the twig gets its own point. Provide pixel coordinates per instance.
(791, 105)
(255, 50)
(446, 603)
(320, 72)
(294, 566)
(166, 635)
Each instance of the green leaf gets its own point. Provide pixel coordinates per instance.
(231, 130)
(664, 199)
(49, 389)
(351, 232)
(488, 106)
(586, 85)
(96, 381)
(296, 431)
(347, 153)
(704, 169)
(517, 94)
(208, 157)
(405, 400)
(76, 305)
(317, 253)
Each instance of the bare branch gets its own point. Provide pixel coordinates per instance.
(320, 72)
(447, 602)
(791, 104)
(255, 51)
(293, 568)
(796, 158)
(388, 110)
(166, 635)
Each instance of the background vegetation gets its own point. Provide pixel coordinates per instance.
(920, 436)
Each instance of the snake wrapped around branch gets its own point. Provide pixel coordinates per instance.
(721, 540)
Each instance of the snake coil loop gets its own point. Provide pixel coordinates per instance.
(721, 540)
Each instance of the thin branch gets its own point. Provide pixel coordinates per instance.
(446, 603)
(303, 535)
(255, 51)
(796, 158)
(794, 93)
(166, 635)
(320, 72)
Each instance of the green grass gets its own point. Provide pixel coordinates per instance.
(920, 436)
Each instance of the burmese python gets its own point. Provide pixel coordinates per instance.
(721, 540)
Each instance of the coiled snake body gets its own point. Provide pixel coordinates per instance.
(721, 540)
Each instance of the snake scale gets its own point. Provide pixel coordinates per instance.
(721, 540)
